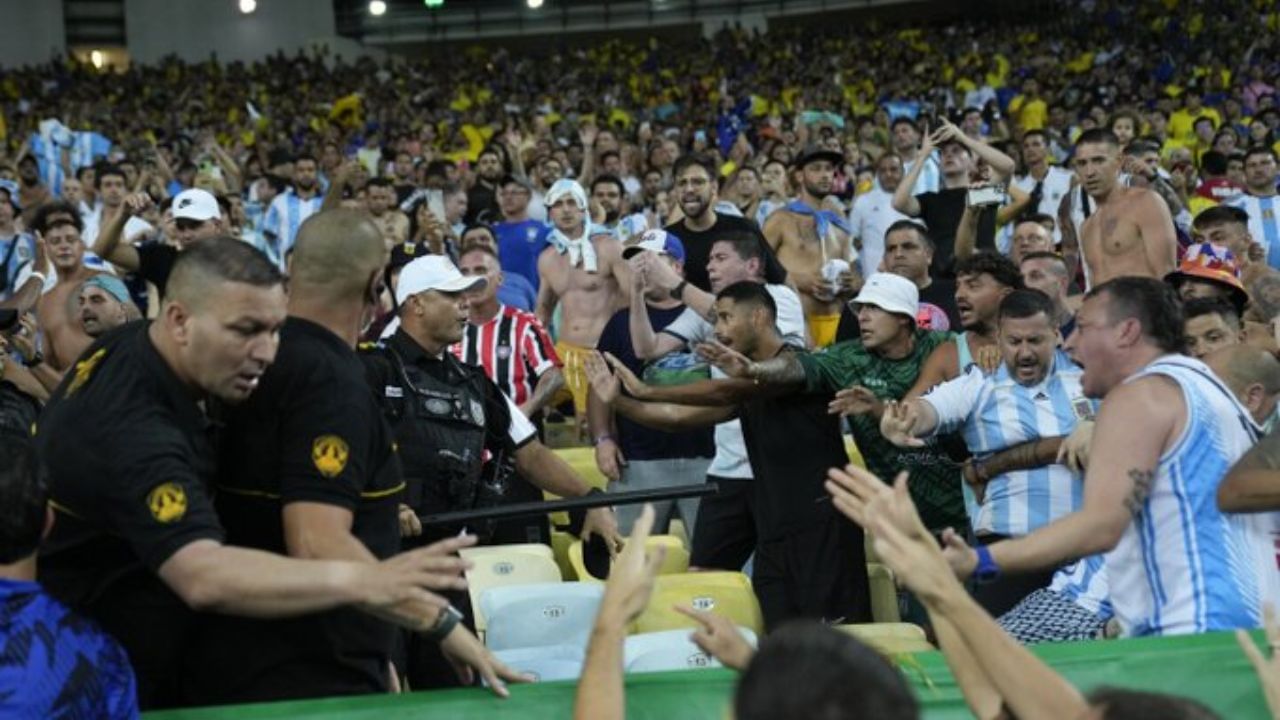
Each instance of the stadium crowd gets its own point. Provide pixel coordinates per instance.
(260, 319)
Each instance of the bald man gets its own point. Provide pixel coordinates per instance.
(308, 467)
(1253, 375)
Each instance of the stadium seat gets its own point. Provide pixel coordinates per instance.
(676, 528)
(583, 462)
(545, 614)
(560, 542)
(884, 594)
(675, 561)
(890, 638)
(669, 650)
(503, 565)
(725, 593)
(545, 664)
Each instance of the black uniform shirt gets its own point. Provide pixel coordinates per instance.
(129, 458)
(697, 249)
(311, 432)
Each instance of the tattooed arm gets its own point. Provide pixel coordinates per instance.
(1253, 485)
(1136, 423)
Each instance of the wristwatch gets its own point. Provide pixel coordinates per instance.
(987, 571)
(35, 360)
(444, 624)
(678, 291)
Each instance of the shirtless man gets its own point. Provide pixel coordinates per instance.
(57, 311)
(381, 199)
(814, 245)
(586, 275)
(1131, 233)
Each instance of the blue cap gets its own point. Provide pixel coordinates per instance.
(110, 284)
(659, 241)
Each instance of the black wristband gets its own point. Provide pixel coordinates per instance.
(444, 624)
(35, 361)
(677, 292)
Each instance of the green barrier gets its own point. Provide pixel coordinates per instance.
(1210, 668)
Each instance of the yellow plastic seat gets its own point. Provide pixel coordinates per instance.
(675, 561)
(884, 594)
(560, 543)
(502, 565)
(583, 462)
(890, 638)
(676, 528)
(725, 593)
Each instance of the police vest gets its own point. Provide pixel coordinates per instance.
(451, 462)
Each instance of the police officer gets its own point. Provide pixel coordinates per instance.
(127, 446)
(460, 438)
(307, 467)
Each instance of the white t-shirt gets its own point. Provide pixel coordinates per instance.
(1057, 183)
(871, 216)
(133, 229)
(731, 450)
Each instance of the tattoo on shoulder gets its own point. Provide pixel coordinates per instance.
(1142, 480)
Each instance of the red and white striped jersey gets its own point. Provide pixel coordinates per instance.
(514, 350)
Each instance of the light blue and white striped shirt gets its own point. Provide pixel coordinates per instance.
(930, 179)
(1084, 582)
(996, 413)
(285, 216)
(1264, 222)
(1182, 566)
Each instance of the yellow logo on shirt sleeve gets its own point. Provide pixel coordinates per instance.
(167, 502)
(84, 369)
(329, 454)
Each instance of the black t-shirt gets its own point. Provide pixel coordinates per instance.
(697, 249)
(129, 457)
(941, 293)
(482, 204)
(941, 212)
(311, 432)
(791, 442)
(155, 263)
(637, 441)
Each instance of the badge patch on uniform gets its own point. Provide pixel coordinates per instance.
(477, 412)
(392, 391)
(436, 406)
(329, 454)
(167, 502)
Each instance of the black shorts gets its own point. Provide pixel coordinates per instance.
(818, 573)
(725, 535)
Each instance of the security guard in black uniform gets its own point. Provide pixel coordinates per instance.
(308, 467)
(130, 458)
(461, 440)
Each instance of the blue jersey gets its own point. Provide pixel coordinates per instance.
(56, 664)
(285, 216)
(1264, 223)
(1182, 566)
(519, 245)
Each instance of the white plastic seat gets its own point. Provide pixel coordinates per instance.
(546, 614)
(558, 662)
(669, 650)
(503, 566)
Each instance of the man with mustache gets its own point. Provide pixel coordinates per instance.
(291, 208)
(104, 305)
(1034, 396)
(814, 245)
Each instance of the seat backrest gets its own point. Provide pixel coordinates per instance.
(669, 650)
(495, 567)
(890, 638)
(676, 559)
(547, 614)
(557, 662)
(725, 593)
(884, 594)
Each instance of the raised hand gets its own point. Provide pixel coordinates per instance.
(630, 584)
(468, 656)
(412, 574)
(856, 400)
(137, 204)
(634, 385)
(730, 361)
(1074, 451)
(601, 521)
(718, 637)
(606, 385)
(898, 424)
(989, 358)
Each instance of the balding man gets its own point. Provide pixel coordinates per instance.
(308, 468)
(1253, 375)
(126, 443)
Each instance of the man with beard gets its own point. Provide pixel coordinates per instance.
(1046, 183)
(1035, 396)
(813, 244)
(104, 305)
(608, 193)
(942, 211)
(906, 143)
(1130, 233)
(32, 193)
(585, 274)
(1261, 173)
(112, 190)
(695, 188)
(196, 215)
(482, 197)
(289, 210)
(873, 213)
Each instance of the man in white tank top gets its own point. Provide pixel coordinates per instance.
(1167, 432)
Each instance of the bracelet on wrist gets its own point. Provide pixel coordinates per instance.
(601, 438)
(445, 622)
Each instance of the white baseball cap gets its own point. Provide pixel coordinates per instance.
(891, 293)
(196, 204)
(434, 272)
(657, 241)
